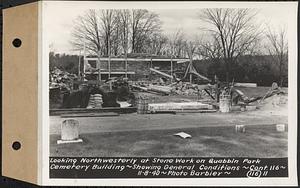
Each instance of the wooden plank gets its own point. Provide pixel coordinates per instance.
(161, 73)
(54, 112)
(245, 84)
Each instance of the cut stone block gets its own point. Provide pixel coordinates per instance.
(69, 132)
(250, 108)
(280, 127)
(225, 105)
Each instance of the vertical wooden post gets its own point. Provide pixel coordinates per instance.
(109, 71)
(99, 65)
(126, 65)
(99, 70)
(172, 68)
(79, 61)
(191, 62)
(84, 59)
(125, 46)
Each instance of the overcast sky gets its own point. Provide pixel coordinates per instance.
(58, 17)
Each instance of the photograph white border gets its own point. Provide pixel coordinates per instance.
(292, 100)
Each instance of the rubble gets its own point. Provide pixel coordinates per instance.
(161, 89)
(61, 79)
(245, 84)
(172, 106)
(183, 135)
(95, 101)
(120, 93)
(176, 88)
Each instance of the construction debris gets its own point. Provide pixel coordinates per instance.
(95, 101)
(124, 104)
(161, 73)
(161, 89)
(183, 135)
(61, 79)
(245, 84)
(142, 105)
(171, 106)
(121, 93)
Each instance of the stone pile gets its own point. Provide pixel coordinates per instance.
(95, 101)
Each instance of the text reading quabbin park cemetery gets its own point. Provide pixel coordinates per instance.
(156, 167)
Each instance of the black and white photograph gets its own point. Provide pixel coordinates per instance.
(170, 90)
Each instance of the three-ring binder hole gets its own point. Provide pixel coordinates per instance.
(17, 43)
(16, 145)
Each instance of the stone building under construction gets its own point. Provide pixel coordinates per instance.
(134, 66)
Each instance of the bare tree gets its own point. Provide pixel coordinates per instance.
(86, 32)
(177, 44)
(108, 24)
(124, 24)
(106, 31)
(143, 24)
(209, 49)
(278, 48)
(234, 31)
(157, 44)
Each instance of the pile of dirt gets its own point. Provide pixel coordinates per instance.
(274, 105)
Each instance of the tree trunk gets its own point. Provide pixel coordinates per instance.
(227, 70)
(280, 73)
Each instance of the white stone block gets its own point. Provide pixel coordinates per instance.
(240, 128)
(69, 132)
(280, 127)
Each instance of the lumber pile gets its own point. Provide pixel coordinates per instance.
(160, 89)
(172, 106)
(245, 84)
(186, 88)
(176, 88)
